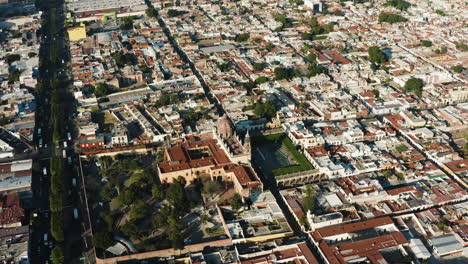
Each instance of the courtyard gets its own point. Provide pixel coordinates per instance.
(276, 155)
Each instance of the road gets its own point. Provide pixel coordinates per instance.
(39, 251)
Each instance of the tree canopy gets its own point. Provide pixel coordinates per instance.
(257, 66)
(242, 37)
(57, 254)
(236, 202)
(426, 43)
(122, 59)
(376, 55)
(283, 73)
(175, 194)
(102, 89)
(266, 109)
(413, 84)
(102, 239)
(398, 4)
(173, 13)
(391, 18)
(126, 23)
(151, 12)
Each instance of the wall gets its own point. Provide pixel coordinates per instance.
(166, 252)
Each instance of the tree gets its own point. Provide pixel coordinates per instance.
(307, 36)
(175, 194)
(283, 73)
(398, 4)
(108, 193)
(139, 210)
(280, 18)
(315, 69)
(13, 76)
(265, 110)
(236, 202)
(257, 66)
(131, 229)
(312, 57)
(175, 232)
(32, 54)
(461, 46)
(151, 12)
(458, 68)
(57, 254)
(127, 197)
(211, 187)
(224, 67)
(56, 226)
(102, 89)
(440, 12)
(376, 55)
(442, 50)
(242, 37)
(413, 85)
(10, 58)
(390, 18)
(127, 23)
(157, 192)
(40, 87)
(376, 92)
(426, 43)
(261, 79)
(122, 59)
(102, 239)
(310, 199)
(172, 13)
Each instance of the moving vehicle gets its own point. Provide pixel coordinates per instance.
(44, 171)
(75, 213)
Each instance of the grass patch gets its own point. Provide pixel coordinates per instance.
(302, 163)
(401, 148)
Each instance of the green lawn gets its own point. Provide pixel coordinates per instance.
(302, 162)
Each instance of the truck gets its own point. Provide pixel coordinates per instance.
(69, 136)
(40, 142)
(64, 154)
(44, 171)
(46, 242)
(75, 213)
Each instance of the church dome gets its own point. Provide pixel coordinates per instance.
(225, 129)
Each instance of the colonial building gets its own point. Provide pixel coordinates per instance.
(202, 158)
(238, 149)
